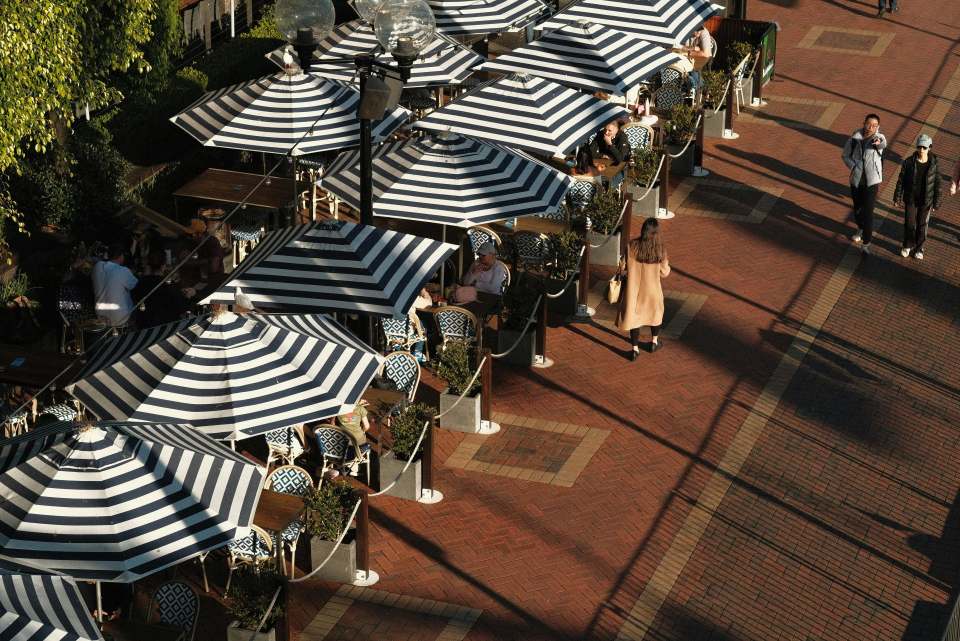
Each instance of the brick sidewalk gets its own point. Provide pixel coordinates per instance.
(785, 467)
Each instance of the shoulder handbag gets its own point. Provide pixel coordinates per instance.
(613, 288)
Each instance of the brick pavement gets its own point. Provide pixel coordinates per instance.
(785, 468)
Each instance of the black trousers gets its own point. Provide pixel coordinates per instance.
(635, 333)
(864, 200)
(915, 221)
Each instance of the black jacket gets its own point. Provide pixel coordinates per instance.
(904, 190)
(618, 151)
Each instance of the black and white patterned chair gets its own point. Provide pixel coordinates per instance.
(638, 136)
(670, 92)
(75, 308)
(59, 412)
(581, 192)
(333, 443)
(456, 324)
(16, 425)
(532, 249)
(254, 549)
(404, 370)
(176, 604)
(284, 445)
(401, 333)
(296, 481)
(479, 235)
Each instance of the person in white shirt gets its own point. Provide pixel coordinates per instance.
(487, 273)
(112, 283)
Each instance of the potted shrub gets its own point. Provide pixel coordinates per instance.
(405, 429)
(248, 600)
(519, 303)
(565, 250)
(456, 365)
(714, 103)
(603, 210)
(680, 128)
(643, 171)
(736, 52)
(325, 517)
(18, 313)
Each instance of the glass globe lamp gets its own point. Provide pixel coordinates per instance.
(367, 9)
(304, 22)
(404, 28)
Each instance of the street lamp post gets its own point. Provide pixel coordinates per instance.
(402, 27)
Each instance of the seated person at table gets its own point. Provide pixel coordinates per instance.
(609, 145)
(485, 276)
(700, 45)
(112, 284)
(355, 424)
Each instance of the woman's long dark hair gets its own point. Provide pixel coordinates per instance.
(649, 247)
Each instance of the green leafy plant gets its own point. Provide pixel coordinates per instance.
(406, 427)
(736, 52)
(681, 124)
(328, 509)
(564, 253)
(519, 301)
(714, 86)
(603, 210)
(643, 168)
(456, 367)
(250, 596)
(17, 286)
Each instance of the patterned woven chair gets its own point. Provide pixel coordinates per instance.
(670, 92)
(60, 412)
(283, 444)
(16, 424)
(403, 369)
(479, 235)
(581, 192)
(401, 333)
(176, 605)
(74, 309)
(245, 238)
(290, 479)
(638, 136)
(532, 249)
(456, 324)
(253, 549)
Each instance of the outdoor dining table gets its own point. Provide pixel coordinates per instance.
(32, 369)
(224, 186)
(140, 631)
(382, 401)
(275, 511)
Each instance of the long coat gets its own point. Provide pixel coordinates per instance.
(641, 297)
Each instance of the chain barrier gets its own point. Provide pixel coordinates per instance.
(416, 447)
(530, 320)
(690, 140)
(335, 546)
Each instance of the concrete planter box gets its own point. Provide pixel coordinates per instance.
(566, 303)
(342, 566)
(236, 633)
(682, 165)
(408, 486)
(465, 417)
(607, 254)
(524, 352)
(747, 91)
(713, 122)
(646, 207)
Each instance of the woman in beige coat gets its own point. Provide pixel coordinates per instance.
(641, 301)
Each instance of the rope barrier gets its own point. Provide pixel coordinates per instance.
(533, 317)
(723, 99)
(465, 389)
(613, 229)
(690, 140)
(335, 545)
(416, 447)
(569, 278)
(654, 180)
(266, 615)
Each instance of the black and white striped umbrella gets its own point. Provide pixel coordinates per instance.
(662, 22)
(36, 605)
(120, 501)
(336, 266)
(443, 62)
(230, 376)
(452, 180)
(282, 114)
(480, 17)
(588, 56)
(524, 111)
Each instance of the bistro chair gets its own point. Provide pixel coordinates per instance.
(532, 249)
(670, 92)
(254, 549)
(479, 235)
(176, 605)
(59, 412)
(456, 324)
(296, 481)
(403, 369)
(638, 136)
(402, 333)
(74, 309)
(582, 191)
(15, 425)
(245, 238)
(283, 444)
(335, 447)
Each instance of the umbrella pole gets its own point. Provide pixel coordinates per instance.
(443, 265)
(99, 604)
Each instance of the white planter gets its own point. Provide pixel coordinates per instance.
(606, 254)
(408, 486)
(465, 417)
(236, 633)
(713, 122)
(342, 566)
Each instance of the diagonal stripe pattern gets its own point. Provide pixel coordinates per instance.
(282, 114)
(120, 501)
(452, 180)
(39, 606)
(587, 56)
(480, 17)
(663, 22)
(524, 111)
(336, 266)
(443, 62)
(230, 376)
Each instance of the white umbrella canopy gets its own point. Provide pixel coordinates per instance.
(662, 22)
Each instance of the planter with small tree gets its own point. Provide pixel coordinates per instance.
(565, 248)
(519, 305)
(18, 313)
(643, 176)
(604, 210)
(250, 595)
(714, 99)
(456, 365)
(327, 514)
(736, 53)
(681, 127)
(405, 429)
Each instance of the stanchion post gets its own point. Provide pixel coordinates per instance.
(665, 181)
(731, 98)
(698, 149)
(486, 384)
(285, 622)
(363, 531)
(758, 80)
(626, 230)
(583, 286)
(542, 328)
(426, 460)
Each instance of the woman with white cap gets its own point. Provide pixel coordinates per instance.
(918, 190)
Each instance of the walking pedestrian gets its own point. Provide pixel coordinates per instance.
(918, 190)
(863, 156)
(887, 5)
(641, 304)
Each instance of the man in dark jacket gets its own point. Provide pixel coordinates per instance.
(918, 190)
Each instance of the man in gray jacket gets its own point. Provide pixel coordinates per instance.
(863, 156)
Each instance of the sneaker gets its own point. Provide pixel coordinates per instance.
(905, 251)
(918, 255)
(858, 237)
(865, 248)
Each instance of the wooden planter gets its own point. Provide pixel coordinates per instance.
(465, 417)
(606, 254)
(408, 486)
(236, 633)
(713, 122)
(523, 354)
(342, 566)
